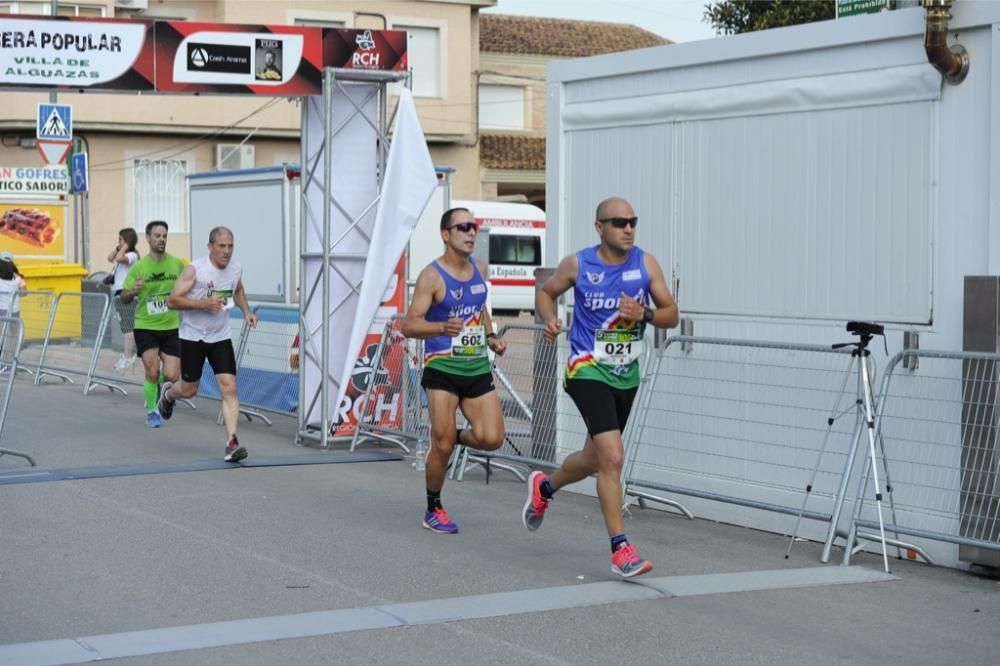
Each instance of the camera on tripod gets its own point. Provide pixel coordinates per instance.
(865, 328)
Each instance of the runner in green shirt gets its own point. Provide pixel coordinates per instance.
(150, 281)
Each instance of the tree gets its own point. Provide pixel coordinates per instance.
(732, 17)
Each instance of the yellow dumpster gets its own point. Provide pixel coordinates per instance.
(56, 278)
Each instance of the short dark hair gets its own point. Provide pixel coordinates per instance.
(6, 270)
(156, 223)
(446, 218)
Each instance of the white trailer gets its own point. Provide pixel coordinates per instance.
(261, 206)
(792, 179)
(809, 174)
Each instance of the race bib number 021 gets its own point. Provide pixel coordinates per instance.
(617, 347)
(470, 343)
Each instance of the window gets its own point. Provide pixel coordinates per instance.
(501, 107)
(320, 23)
(159, 189)
(45, 8)
(516, 250)
(424, 53)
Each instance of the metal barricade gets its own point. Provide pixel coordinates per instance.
(744, 423)
(112, 367)
(72, 343)
(36, 309)
(400, 364)
(527, 379)
(11, 339)
(264, 381)
(939, 427)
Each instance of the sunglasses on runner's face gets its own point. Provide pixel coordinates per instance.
(621, 222)
(465, 227)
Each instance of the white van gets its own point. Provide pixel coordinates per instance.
(517, 246)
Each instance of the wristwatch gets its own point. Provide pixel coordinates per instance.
(647, 315)
(491, 335)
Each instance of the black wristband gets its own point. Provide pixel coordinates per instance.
(647, 315)
(490, 336)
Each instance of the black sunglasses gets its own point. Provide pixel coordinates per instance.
(465, 227)
(621, 222)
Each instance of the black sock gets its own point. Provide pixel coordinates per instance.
(546, 489)
(433, 500)
(617, 541)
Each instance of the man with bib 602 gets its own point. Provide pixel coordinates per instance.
(448, 312)
(614, 284)
(150, 281)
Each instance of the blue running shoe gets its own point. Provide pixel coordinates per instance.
(439, 521)
(626, 562)
(153, 420)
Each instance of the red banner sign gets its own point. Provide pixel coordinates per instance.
(185, 57)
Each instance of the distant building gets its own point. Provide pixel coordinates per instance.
(513, 54)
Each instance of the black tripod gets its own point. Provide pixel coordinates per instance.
(866, 421)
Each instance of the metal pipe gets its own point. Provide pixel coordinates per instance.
(953, 62)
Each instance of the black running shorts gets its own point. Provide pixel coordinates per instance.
(602, 407)
(194, 353)
(166, 341)
(461, 385)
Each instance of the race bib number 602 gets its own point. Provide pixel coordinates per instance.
(470, 343)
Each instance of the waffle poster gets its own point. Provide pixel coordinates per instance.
(33, 230)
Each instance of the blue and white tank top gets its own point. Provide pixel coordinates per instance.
(464, 354)
(602, 345)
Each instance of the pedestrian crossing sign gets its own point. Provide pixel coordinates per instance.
(55, 122)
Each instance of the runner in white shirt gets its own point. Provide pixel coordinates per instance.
(207, 290)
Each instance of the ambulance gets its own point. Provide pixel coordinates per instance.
(516, 248)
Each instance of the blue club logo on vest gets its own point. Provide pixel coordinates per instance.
(457, 293)
(595, 278)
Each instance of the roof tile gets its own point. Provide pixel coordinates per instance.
(497, 151)
(533, 35)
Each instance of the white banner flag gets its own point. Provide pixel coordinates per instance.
(409, 181)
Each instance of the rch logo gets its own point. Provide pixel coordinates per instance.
(366, 60)
(365, 41)
(199, 57)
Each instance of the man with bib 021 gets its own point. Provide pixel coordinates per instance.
(614, 284)
(448, 312)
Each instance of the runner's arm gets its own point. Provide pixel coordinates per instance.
(129, 288)
(554, 287)
(414, 325)
(666, 314)
(178, 297)
(240, 298)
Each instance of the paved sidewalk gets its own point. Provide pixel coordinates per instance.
(327, 564)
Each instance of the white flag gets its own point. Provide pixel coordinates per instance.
(409, 182)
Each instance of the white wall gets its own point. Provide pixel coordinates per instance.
(793, 179)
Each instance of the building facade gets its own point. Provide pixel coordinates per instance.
(514, 54)
(141, 147)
